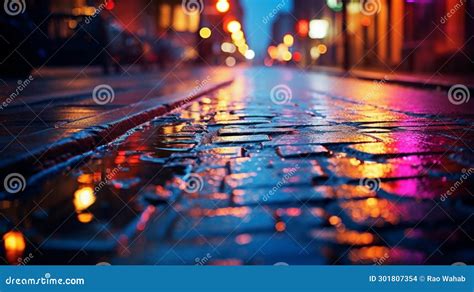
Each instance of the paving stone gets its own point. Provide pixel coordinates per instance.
(254, 131)
(240, 122)
(322, 139)
(240, 139)
(301, 151)
(224, 151)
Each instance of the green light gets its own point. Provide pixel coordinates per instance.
(335, 5)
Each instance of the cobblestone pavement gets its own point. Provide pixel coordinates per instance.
(278, 168)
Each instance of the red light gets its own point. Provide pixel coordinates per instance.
(297, 56)
(109, 5)
(302, 27)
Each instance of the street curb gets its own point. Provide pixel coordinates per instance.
(90, 138)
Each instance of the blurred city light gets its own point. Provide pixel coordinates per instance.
(228, 48)
(84, 198)
(322, 49)
(222, 6)
(314, 52)
(288, 40)
(335, 5)
(318, 28)
(230, 61)
(238, 35)
(302, 28)
(205, 32)
(234, 26)
(249, 55)
(110, 4)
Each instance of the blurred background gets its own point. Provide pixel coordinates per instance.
(411, 36)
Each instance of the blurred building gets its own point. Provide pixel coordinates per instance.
(410, 35)
(283, 24)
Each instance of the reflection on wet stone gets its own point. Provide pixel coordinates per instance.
(274, 183)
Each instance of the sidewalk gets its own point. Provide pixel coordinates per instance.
(39, 130)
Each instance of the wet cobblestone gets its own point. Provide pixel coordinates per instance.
(320, 180)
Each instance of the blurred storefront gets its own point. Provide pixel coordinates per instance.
(406, 35)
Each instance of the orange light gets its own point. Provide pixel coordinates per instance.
(302, 28)
(322, 49)
(366, 21)
(222, 6)
(234, 26)
(83, 198)
(280, 226)
(273, 52)
(14, 244)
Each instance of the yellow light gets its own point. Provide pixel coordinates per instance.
(287, 56)
(282, 51)
(243, 49)
(239, 43)
(230, 61)
(322, 49)
(288, 40)
(205, 32)
(249, 55)
(314, 52)
(222, 6)
(238, 35)
(84, 198)
(234, 26)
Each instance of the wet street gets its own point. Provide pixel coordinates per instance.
(277, 167)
